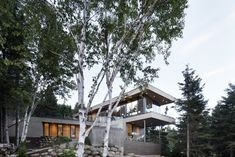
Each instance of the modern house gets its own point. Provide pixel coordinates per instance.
(138, 110)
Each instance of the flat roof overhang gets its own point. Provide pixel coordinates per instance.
(151, 119)
(154, 93)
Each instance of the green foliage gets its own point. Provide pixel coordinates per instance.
(223, 124)
(68, 153)
(191, 108)
(61, 140)
(87, 141)
(22, 150)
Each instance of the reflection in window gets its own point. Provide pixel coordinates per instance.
(53, 130)
(60, 130)
(73, 131)
(46, 129)
(77, 132)
(66, 131)
(132, 108)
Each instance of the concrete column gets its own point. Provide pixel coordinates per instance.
(144, 104)
(144, 131)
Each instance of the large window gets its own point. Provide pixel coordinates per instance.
(77, 132)
(53, 130)
(66, 130)
(73, 131)
(60, 130)
(46, 129)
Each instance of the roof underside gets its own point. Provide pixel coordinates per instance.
(158, 96)
(151, 119)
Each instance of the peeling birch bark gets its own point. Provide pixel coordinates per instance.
(82, 135)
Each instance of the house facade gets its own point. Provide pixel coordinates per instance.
(138, 110)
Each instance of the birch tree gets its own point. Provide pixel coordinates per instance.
(131, 35)
(132, 23)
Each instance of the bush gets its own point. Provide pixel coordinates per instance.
(21, 152)
(61, 139)
(68, 153)
(87, 141)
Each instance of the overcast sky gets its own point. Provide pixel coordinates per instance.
(208, 46)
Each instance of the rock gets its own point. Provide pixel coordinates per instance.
(131, 154)
(44, 154)
(95, 153)
(60, 153)
(59, 150)
(35, 155)
(87, 147)
(50, 150)
(111, 153)
(53, 154)
(88, 151)
(113, 149)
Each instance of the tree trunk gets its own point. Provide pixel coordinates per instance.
(17, 127)
(80, 85)
(1, 125)
(107, 129)
(231, 151)
(82, 135)
(6, 127)
(24, 124)
(106, 136)
(188, 139)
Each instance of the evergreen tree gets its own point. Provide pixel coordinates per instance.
(223, 125)
(191, 108)
(47, 107)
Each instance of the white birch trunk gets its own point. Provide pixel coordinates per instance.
(80, 85)
(107, 129)
(27, 125)
(28, 115)
(27, 118)
(82, 135)
(24, 124)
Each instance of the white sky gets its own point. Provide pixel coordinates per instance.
(208, 46)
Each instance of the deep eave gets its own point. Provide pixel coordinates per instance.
(150, 91)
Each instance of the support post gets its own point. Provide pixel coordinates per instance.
(144, 104)
(144, 131)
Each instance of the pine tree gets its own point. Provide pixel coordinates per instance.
(223, 124)
(191, 108)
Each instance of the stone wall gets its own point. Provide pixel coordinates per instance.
(90, 151)
(116, 136)
(141, 148)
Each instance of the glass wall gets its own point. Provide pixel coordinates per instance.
(73, 131)
(140, 106)
(60, 130)
(54, 130)
(46, 129)
(66, 130)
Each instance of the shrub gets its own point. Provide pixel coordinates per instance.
(21, 152)
(61, 139)
(87, 141)
(68, 153)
